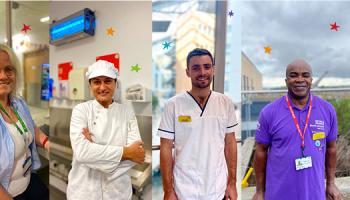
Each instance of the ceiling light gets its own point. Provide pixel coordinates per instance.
(45, 19)
(21, 42)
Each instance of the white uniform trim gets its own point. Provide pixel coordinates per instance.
(97, 170)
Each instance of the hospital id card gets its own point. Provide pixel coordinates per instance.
(303, 163)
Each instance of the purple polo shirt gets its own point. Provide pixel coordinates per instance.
(277, 129)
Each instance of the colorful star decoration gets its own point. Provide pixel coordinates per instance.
(230, 13)
(334, 26)
(110, 31)
(166, 45)
(25, 28)
(268, 49)
(135, 68)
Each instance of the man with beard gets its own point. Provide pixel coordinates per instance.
(296, 143)
(200, 124)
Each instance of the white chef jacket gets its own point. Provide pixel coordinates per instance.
(97, 170)
(200, 170)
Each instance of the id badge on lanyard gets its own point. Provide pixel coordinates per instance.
(27, 164)
(302, 162)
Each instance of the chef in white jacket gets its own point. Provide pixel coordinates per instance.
(106, 141)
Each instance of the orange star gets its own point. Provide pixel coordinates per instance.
(25, 28)
(110, 31)
(268, 49)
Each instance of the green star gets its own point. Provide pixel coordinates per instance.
(135, 68)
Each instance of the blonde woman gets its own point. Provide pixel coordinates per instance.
(19, 137)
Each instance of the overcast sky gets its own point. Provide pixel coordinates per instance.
(298, 30)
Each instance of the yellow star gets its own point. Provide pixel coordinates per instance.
(110, 31)
(268, 49)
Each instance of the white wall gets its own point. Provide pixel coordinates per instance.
(132, 22)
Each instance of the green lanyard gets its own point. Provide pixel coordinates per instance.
(19, 119)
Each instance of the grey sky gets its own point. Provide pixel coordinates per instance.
(297, 30)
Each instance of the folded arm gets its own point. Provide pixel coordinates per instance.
(100, 157)
(121, 157)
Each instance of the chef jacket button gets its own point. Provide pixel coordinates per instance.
(94, 123)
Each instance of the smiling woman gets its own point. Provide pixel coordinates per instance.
(18, 137)
(8, 72)
(105, 140)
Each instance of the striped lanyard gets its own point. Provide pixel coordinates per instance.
(301, 134)
(19, 119)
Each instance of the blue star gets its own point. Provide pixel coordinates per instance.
(166, 45)
(230, 13)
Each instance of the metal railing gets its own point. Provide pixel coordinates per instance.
(157, 147)
(343, 89)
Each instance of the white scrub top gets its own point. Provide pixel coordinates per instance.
(97, 170)
(200, 170)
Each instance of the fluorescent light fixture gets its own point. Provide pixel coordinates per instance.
(45, 19)
(68, 28)
(74, 27)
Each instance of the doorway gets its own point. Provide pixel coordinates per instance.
(32, 66)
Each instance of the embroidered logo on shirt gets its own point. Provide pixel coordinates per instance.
(319, 122)
(319, 125)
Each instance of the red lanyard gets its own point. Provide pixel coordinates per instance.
(301, 134)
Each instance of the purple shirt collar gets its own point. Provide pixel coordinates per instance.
(314, 104)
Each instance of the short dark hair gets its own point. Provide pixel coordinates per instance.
(199, 52)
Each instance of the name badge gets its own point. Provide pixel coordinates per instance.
(319, 135)
(184, 118)
(303, 163)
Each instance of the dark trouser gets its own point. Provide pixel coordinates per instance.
(36, 190)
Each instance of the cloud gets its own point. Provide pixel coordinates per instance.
(297, 30)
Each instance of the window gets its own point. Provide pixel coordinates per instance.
(31, 45)
(3, 38)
